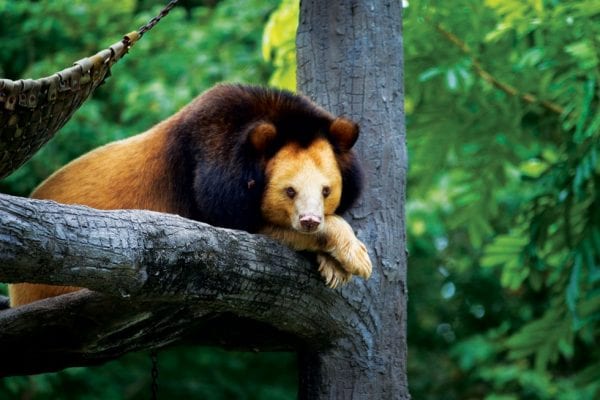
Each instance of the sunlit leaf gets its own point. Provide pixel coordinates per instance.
(533, 167)
(278, 44)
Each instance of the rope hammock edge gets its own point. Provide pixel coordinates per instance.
(32, 111)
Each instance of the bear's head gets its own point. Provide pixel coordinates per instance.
(305, 181)
(255, 155)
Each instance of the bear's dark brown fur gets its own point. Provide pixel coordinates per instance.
(220, 171)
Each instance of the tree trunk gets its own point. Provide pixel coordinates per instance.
(350, 61)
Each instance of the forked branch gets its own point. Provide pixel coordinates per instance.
(158, 279)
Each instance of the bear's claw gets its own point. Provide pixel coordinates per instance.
(332, 271)
(354, 258)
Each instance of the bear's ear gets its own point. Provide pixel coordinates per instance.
(344, 132)
(262, 135)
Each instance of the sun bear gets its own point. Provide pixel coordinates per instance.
(242, 157)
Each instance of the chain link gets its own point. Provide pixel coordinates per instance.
(153, 354)
(154, 374)
(155, 20)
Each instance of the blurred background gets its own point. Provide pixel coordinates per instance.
(503, 121)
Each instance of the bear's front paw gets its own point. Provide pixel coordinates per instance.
(332, 271)
(355, 259)
(346, 248)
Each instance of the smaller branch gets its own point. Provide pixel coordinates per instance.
(488, 77)
(87, 328)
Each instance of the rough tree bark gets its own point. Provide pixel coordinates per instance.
(158, 278)
(163, 279)
(350, 60)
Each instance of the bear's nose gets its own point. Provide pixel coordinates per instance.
(310, 222)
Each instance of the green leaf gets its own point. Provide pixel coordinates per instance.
(430, 73)
(573, 286)
(534, 167)
(584, 52)
(504, 249)
(278, 44)
(451, 79)
(586, 106)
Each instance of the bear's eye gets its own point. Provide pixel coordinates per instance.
(326, 191)
(291, 192)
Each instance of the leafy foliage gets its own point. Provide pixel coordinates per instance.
(183, 372)
(513, 184)
(279, 44)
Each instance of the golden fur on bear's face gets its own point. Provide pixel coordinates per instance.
(303, 185)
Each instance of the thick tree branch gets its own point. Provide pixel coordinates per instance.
(161, 276)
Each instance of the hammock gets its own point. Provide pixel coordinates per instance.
(32, 111)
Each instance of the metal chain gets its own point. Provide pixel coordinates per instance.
(153, 354)
(155, 20)
(154, 374)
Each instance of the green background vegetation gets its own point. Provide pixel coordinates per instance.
(502, 111)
